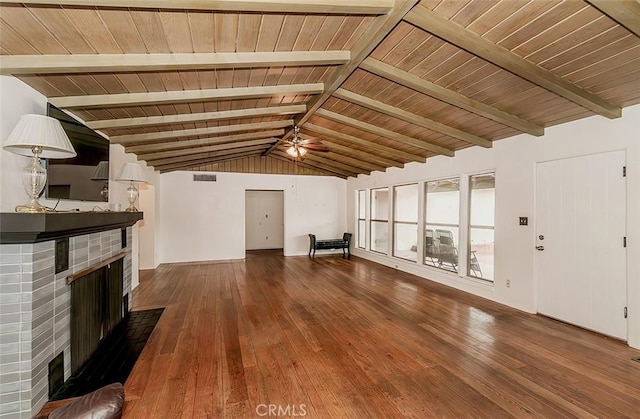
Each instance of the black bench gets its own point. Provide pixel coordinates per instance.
(344, 243)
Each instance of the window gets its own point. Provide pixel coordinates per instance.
(362, 234)
(481, 225)
(456, 217)
(405, 222)
(442, 221)
(379, 220)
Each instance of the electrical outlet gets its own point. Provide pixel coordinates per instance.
(508, 283)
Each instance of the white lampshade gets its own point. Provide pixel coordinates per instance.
(296, 151)
(101, 172)
(40, 131)
(132, 172)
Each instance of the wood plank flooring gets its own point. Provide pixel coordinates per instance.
(349, 338)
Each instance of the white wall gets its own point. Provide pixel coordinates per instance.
(206, 220)
(514, 161)
(16, 99)
(147, 227)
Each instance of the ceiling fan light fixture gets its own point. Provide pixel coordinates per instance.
(292, 151)
(302, 151)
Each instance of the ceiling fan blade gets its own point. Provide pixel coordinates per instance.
(312, 141)
(317, 147)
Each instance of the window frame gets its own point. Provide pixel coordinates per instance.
(378, 220)
(394, 222)
(464, 226)
(358, 219)
(483, 227)
(455, 269)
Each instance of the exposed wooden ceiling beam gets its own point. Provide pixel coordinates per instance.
(165, 135)
(330, 171)
(449, 96)
(625, 12)
(352, 161)
(329, 133)
(180, 96)
(470, 41)
(330, 164)
(456, 99)
(379, 29)
(363, 155)
(222, 140)
(171, 159)
(385, 133)
(193, 163)
(195, 117)
(361, 7)
(151, 155)
(333, 165)
(310, 166)
(410, 117)
(113, 63)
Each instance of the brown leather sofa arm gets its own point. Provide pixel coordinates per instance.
(104, 403)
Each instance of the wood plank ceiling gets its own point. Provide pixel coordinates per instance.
(219, 85)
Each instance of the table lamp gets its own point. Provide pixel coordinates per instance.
(102, 173)
(132, 172)
(37, 136)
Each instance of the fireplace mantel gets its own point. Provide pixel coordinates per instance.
(32, 228)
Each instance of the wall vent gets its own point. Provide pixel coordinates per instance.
(204, 178)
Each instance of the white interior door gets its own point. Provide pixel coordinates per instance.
(264, 220)
(580, 226)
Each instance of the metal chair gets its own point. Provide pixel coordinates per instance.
(430, 251)
(446, 249)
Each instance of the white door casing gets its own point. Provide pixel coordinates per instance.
(581, 223)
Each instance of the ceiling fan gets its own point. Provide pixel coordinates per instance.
(298, 147)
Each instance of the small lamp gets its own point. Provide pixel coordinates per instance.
(102, 173)
(132, 172)
(37, 136)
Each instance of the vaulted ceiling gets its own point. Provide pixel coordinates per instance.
(219, 85)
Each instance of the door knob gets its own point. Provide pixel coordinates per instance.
(540, 248)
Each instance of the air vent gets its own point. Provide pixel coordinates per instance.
(204, 178)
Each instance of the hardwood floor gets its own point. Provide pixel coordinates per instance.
(349, 338)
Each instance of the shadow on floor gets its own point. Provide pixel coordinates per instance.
(115, 357)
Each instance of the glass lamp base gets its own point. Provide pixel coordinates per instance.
(132, 195)
(32, 207)
(104, 193)
(34, 177)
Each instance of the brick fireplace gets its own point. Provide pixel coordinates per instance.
(35, 301)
